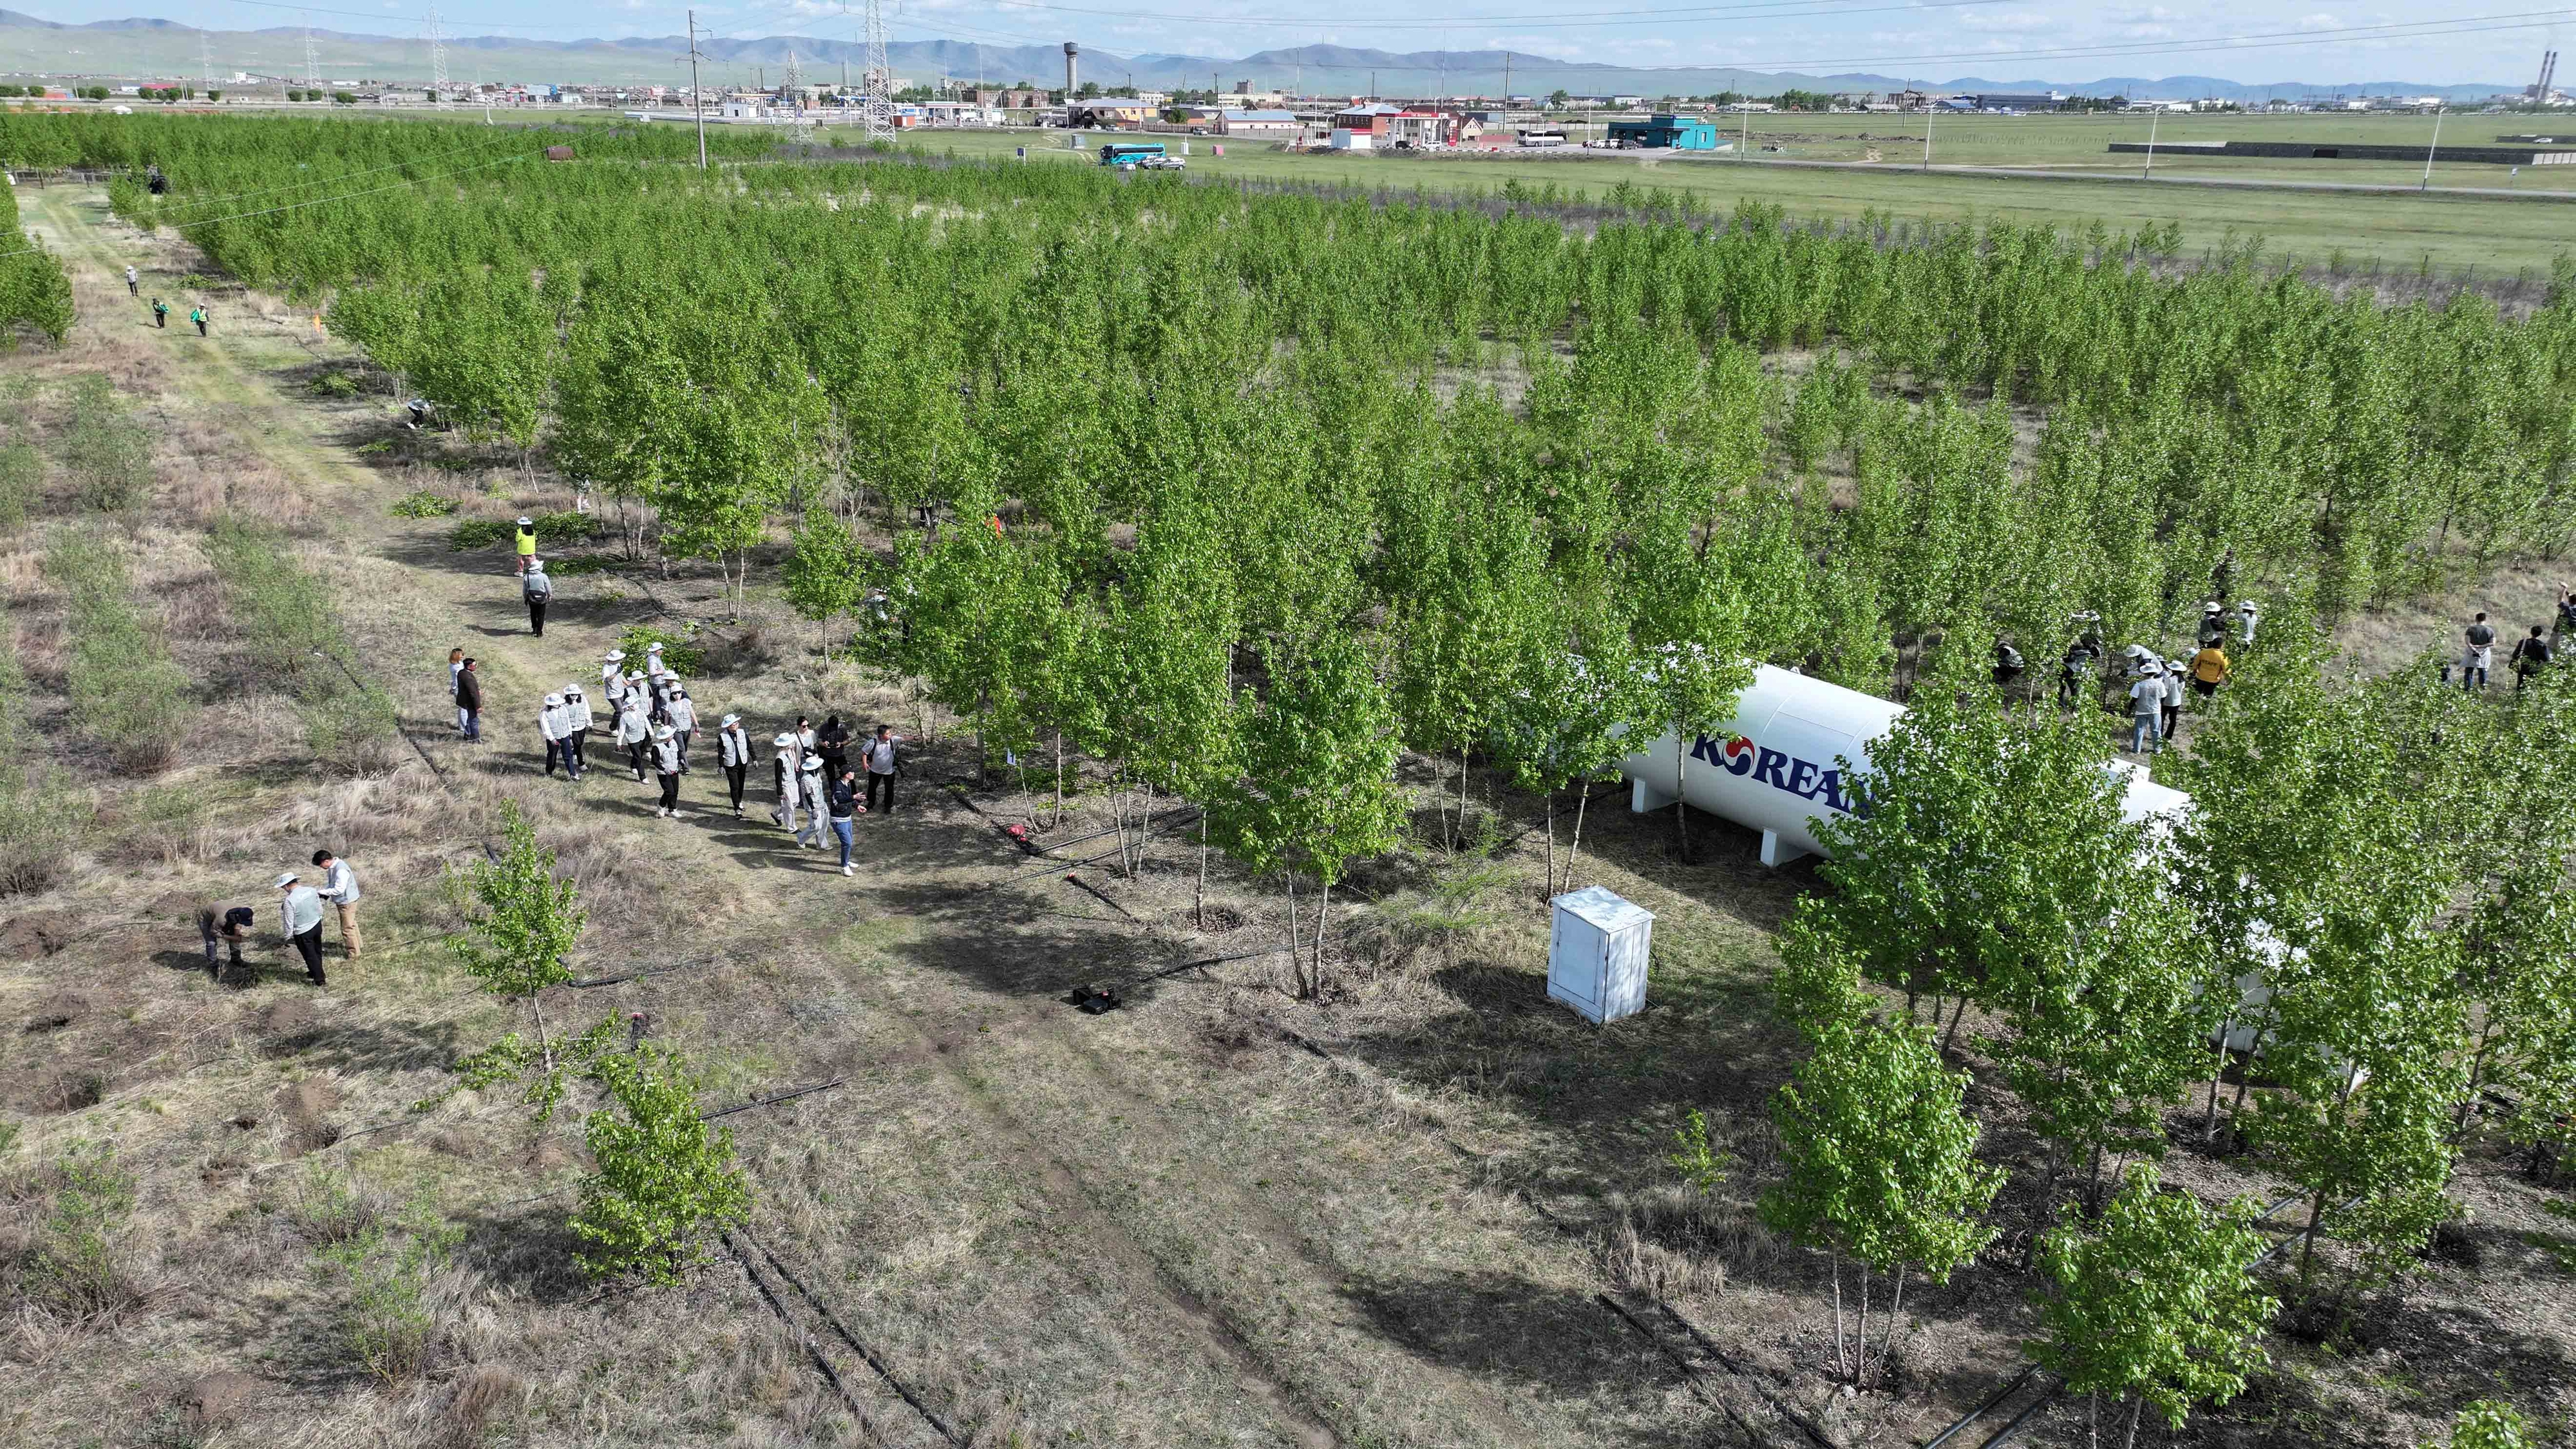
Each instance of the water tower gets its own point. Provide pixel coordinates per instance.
(1070, 51)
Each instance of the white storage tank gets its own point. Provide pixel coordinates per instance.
(1774, 766)
(1596, 955)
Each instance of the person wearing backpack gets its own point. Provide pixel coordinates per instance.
(536, 590)
(197, 314)
(2530, 657)
(526, 543)
(160, 314)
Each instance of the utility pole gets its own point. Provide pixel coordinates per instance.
(437, 61)
(206, 56)
(1930, 108)
(697, 95)
(312, 63)
(2151, 144)
(879, 77)
(2427, 183)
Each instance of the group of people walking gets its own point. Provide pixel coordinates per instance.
(2155, 687)
(2532, 653)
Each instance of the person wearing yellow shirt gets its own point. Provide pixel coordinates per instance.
(2208, 670)
(527, 543)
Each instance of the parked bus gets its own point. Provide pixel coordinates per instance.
(1129, 153)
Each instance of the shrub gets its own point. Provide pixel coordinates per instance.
(665, 1179)
(679, 654)
(335, 384)
(21, 473)
(296, 637)
(107, 450)
(388, 1326)
(77, 1265)
(421, 503)
(554, 530)
(127, 695)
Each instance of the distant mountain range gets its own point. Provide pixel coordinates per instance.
(145, 49)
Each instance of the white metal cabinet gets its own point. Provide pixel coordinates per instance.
(1596, 953)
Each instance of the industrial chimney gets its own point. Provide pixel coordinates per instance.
(1070, 51)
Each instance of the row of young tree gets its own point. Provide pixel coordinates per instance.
(35, 292)
(2369, 894)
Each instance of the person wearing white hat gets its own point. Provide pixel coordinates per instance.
(2213, 623)
(2247, 616)
(733, 751)
(2175, 669)
(612, 677)
(527, 542)
(657, 679)
(536, 591)
(681, 715)
(816, 791)
(634, 731)
(783, 768)
(666, 764)
(552, 726)
(302, 921)
(576, 729)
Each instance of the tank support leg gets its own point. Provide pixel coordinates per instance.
(1643, 797)
(1775, 854)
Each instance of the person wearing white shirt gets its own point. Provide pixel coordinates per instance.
(576, 717)
(455, 667)
(733, 752)
(666, 765)
(788, 780)
(681, 716)
(633, 731)
(340, 888)
(550, 726)
(301, 919)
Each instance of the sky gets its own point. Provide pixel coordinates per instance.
(2250, 41)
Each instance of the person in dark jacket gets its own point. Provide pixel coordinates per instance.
(469, 701)
(2529, 658)
(223, 926)
(845, 803)
(160, 313)
(832, 742)
(537, 591)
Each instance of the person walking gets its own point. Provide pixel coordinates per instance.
(733, 752)
(832, 742)
(340, 888)
(883, 765)
(817, 793)
(612, 678)
(223, 926)
(576, 718)
(2479, 655)
(683, 718)
(536, 590)
(783, 766)
(2075, 671)
(2247, 616)
(133, 282)
(526, 543)
(2208, 671)
(2175, 669)
(2565, 620)
(456, 667)
(2009, 666)
(2146, 711)
(2213, 623)
(469, 701)
(160, 314)
(806, 743)
(656, 679)
(2530, 657)
(844, 800)
(666, 764)
(302, 923)
(550, 725)
(634, 731)
(197, 314)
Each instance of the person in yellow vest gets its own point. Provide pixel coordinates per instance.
(527, 543)
(2208, 670)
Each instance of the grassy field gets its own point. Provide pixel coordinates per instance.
(2496, 236)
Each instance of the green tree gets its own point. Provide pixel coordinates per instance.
(1317, 784)
(528, 921)
(2489, 1424)
(823, 578)
(2155, 1303)
(666, 1180)
(1880, 1165)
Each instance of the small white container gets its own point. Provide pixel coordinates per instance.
(1596, 954)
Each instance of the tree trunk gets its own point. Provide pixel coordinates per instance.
(1860, 1332)
(1951, 1039)
(1842, 1361)
(1681, 797)
(1198, 899)
(1582, 800)
(2135, 1415)
(2217, 1074)
(1059, 780)
(1462, 790)
(545, 1048)
(1895, 1317)
(2308, 1235)
(1323, 916)
(1296, 958)
(1551, 840)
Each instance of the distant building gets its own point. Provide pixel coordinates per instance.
(1112, 113)
(1680, 133)
(2019, 100)
(1258, 125)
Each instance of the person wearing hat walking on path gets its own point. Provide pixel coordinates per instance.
(469, 701)
(634, 731)
(133, 282)
(550, 725)
(817, 793)
(843, 798)
(2247, 616)
(576, 719)
(733, 752)
(790, 782)
(198, 315)
(683, 718)
(2208, 671)
(340, 888)
(666, 764)
(527, 542)
(2175, 669)
(612, 676)
(536, 590)
(302, 922)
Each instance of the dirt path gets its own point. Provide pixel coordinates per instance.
(1177, 1275)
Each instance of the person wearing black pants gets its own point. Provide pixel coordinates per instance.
(303, 923)
(538, 591)
(666, 765)
(882, 766)
(733, 751)
(577, 724)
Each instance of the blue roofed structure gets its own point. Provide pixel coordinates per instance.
(1680, 133)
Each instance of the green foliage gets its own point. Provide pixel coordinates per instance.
(825, 572)
(681, 653)
(107, 451)
(1694, 1158)
(340, 385)
(22, 472)
(2155, 1302)
(554, 530)
(665, 1181)
(388, 1325)
(75, 1266)
(127, 695)
(34, 288)
(38, 824)
(528, 920)
(297, 640)
(2489, 1424)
